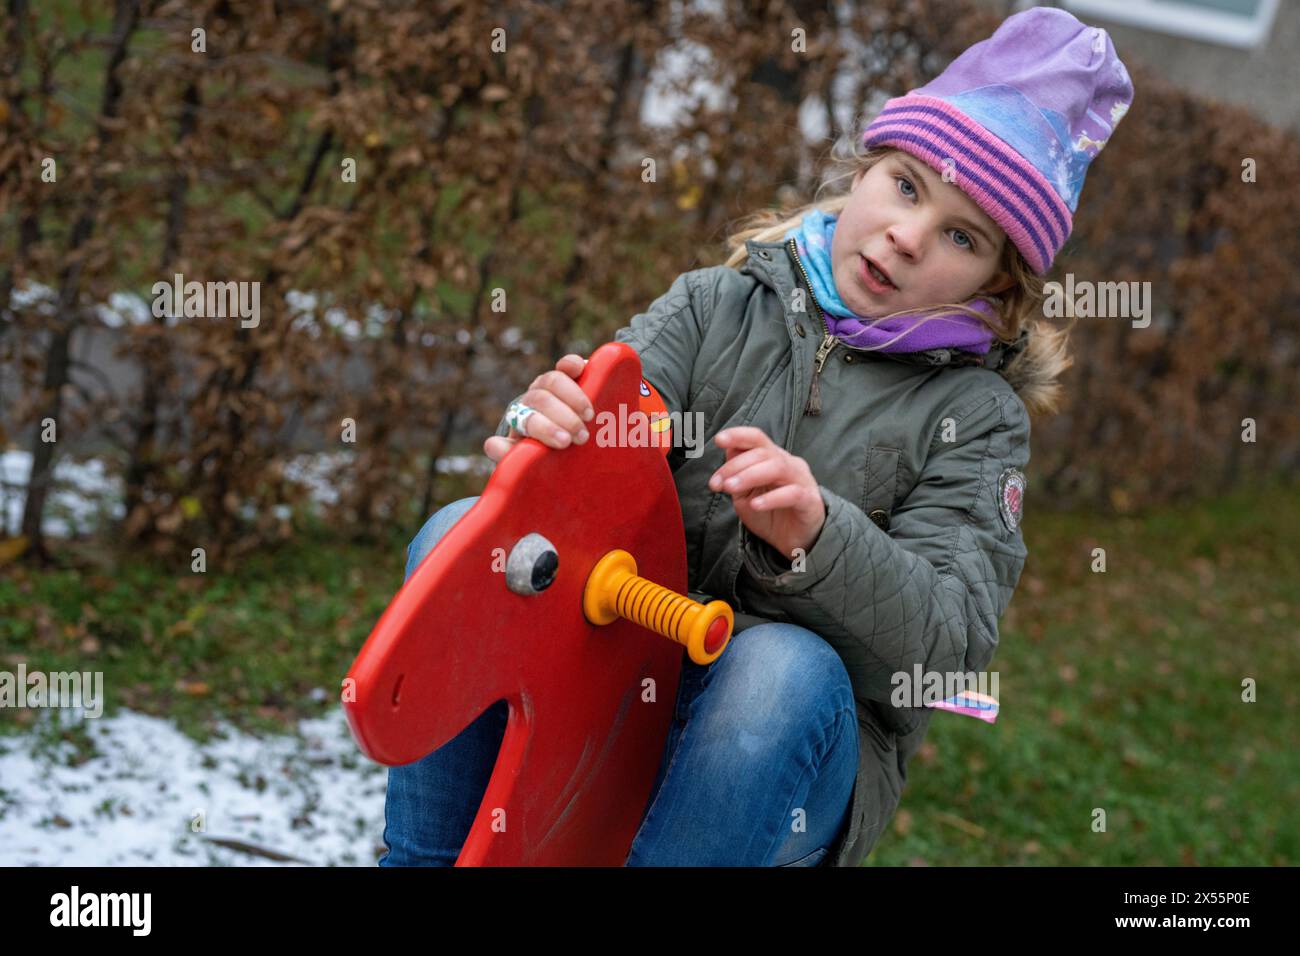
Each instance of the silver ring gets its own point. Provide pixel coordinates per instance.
(517, 416)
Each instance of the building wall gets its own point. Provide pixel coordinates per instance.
(1265, 79)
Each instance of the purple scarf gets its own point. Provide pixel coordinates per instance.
(942, 329)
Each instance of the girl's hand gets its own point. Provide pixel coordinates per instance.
(774, 492)
(561, 405)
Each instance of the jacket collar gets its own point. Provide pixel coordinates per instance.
(771, 263)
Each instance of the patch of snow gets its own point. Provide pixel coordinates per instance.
(460, 464)
(314, 471)
(33, 296)
(310, 796)
(126, 308)
(86, 495)
(83, 493)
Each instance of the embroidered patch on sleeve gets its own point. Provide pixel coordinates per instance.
(1011, 497)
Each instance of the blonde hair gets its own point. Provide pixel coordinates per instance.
(1033, 373)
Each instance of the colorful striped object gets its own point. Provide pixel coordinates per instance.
(971, 704)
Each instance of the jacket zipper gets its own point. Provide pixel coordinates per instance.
(814, 404)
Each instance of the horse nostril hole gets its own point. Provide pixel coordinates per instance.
(544, 570)
(397, 688)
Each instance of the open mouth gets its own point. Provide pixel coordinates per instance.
(875, 279)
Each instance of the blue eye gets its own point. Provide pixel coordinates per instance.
(910, 186)
(970, 242)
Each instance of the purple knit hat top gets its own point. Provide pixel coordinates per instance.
(1017, 118)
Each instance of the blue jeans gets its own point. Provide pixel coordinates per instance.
(758, 767)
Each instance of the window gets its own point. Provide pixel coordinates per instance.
(1239, 23)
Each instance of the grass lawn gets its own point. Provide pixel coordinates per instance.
(1119, 690)
(1123, 691)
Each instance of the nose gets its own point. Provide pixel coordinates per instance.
(906, 239)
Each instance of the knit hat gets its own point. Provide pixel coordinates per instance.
(1017, 118)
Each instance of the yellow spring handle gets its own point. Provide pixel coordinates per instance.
(614, 590)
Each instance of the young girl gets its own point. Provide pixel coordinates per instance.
(866, 369)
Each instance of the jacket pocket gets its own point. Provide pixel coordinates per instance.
(880, 484)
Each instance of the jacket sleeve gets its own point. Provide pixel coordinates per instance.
(931, 589)
(667, 337)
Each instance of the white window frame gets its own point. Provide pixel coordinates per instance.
(1194, 22)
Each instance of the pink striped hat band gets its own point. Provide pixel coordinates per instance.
(1002, 182)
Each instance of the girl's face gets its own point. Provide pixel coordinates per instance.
(931, 239)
